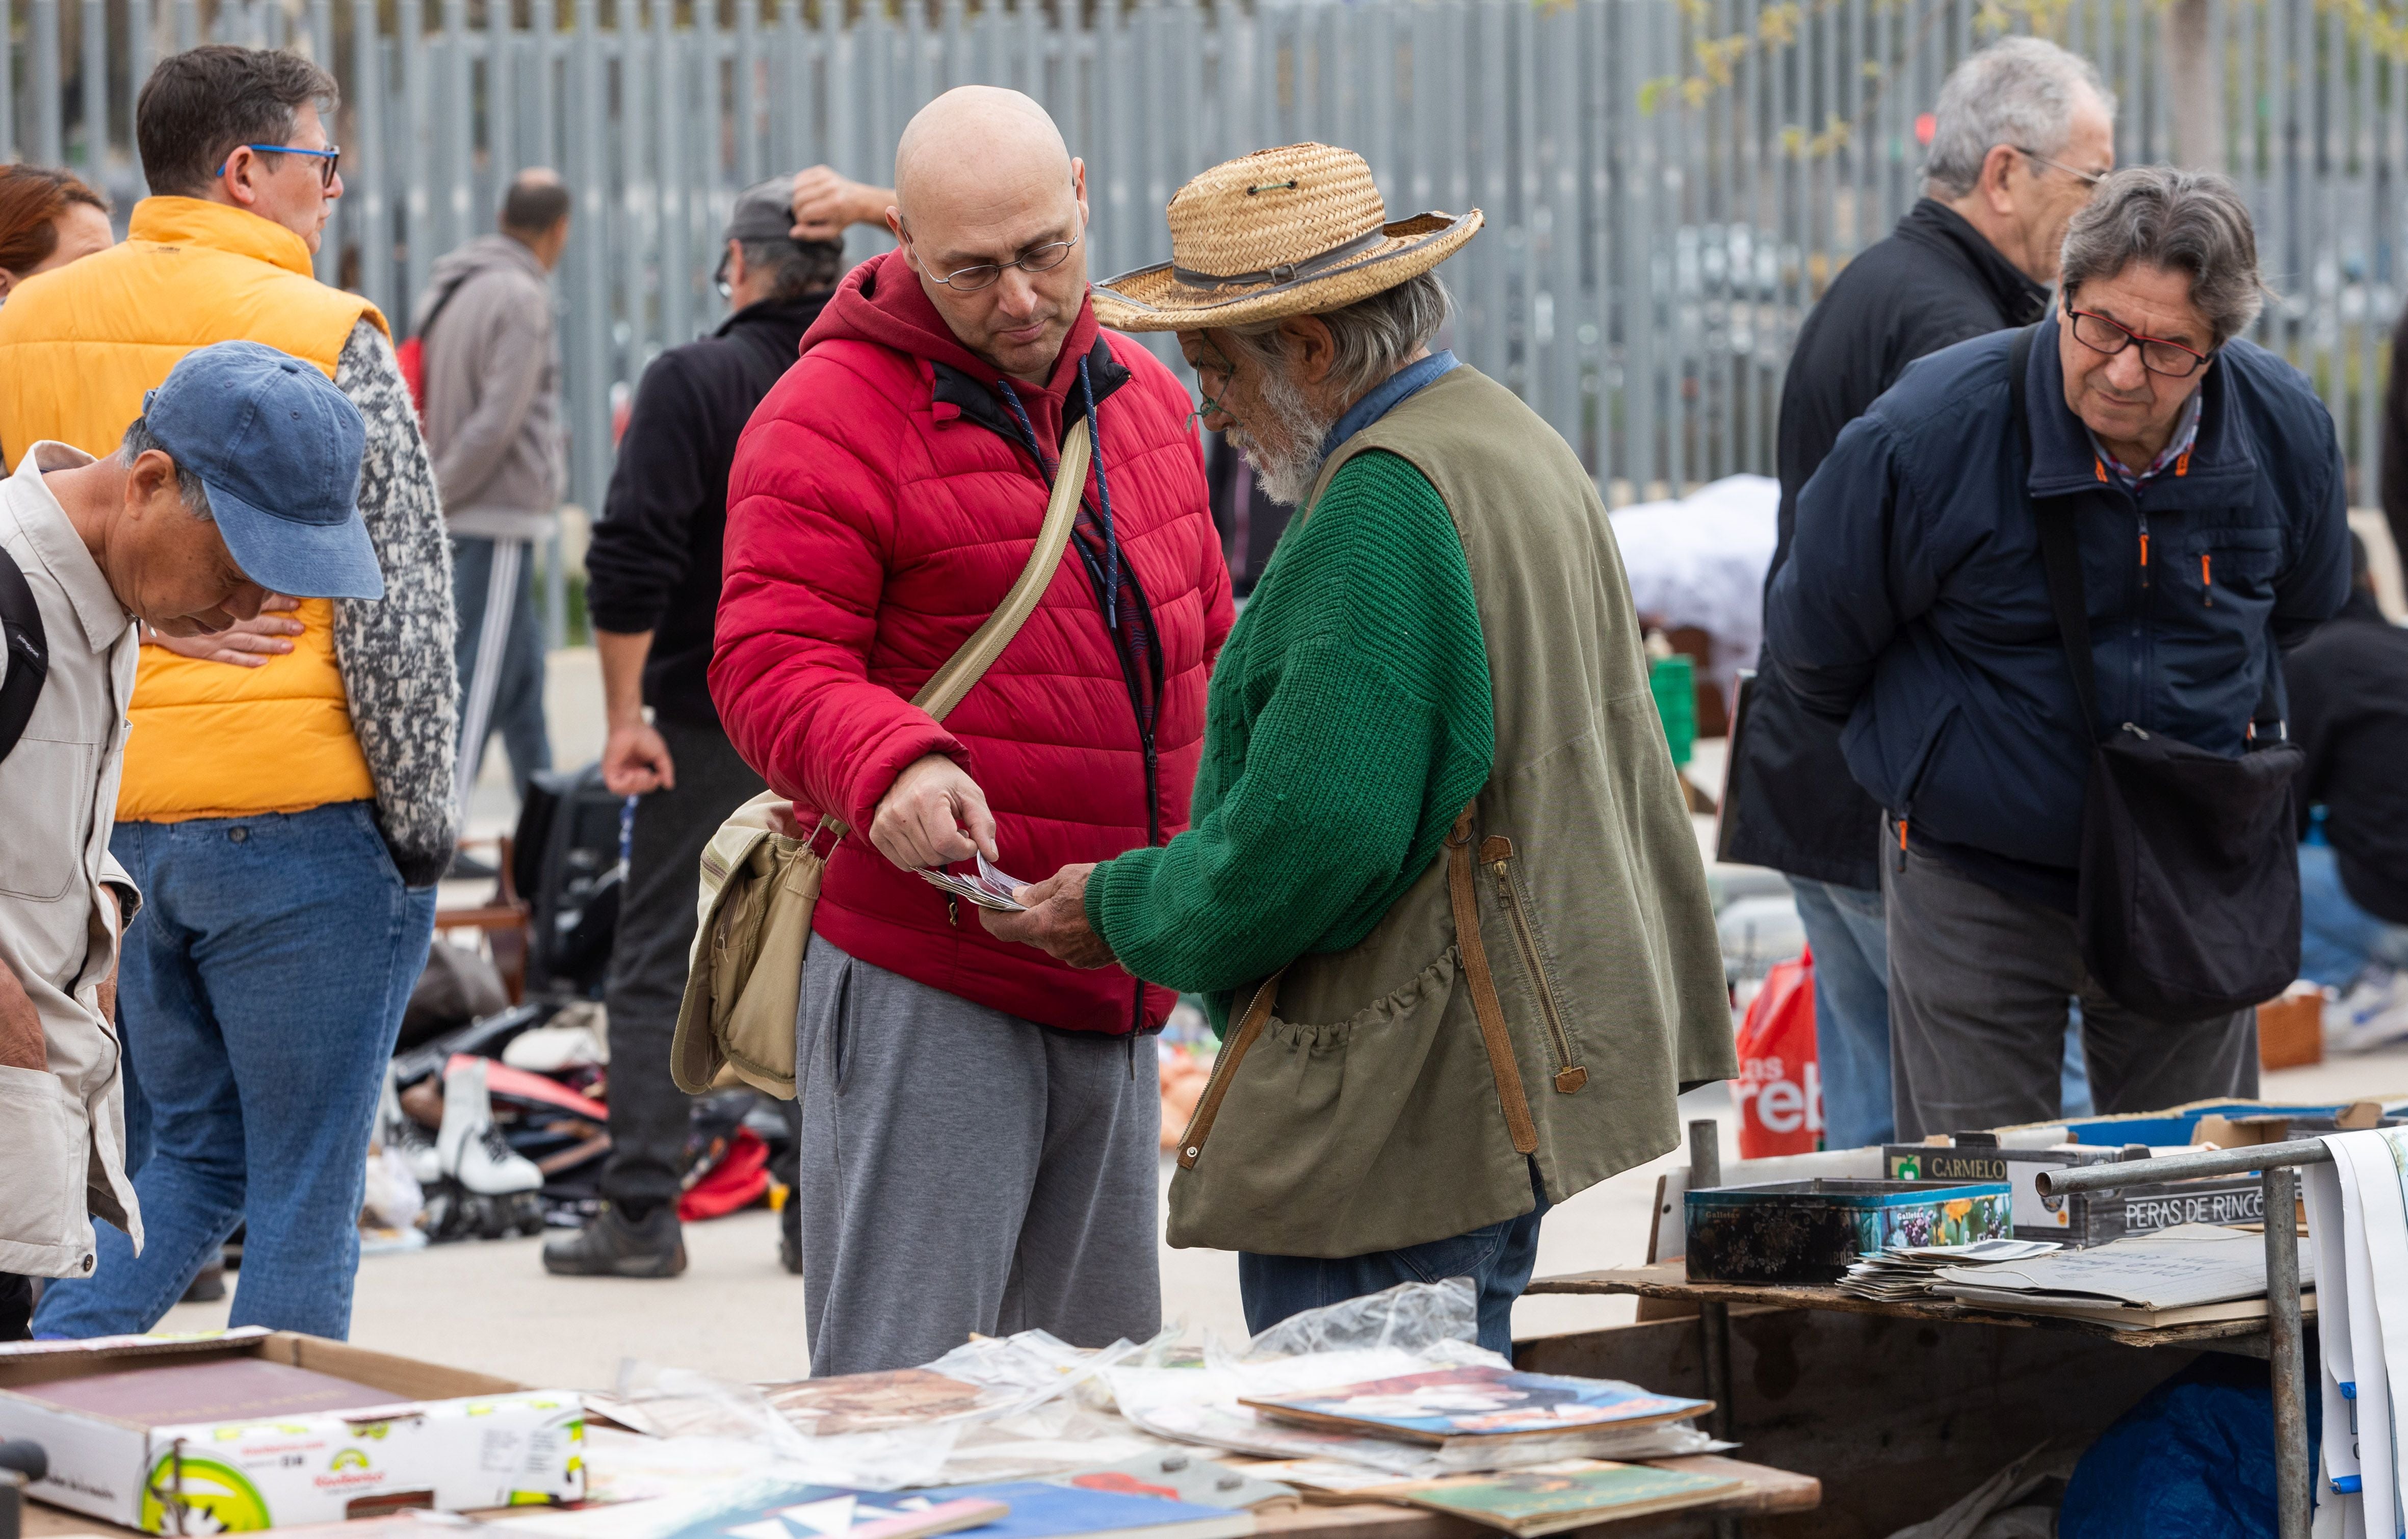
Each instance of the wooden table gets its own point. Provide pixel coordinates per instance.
(1670, 1280)
(1766, 1490)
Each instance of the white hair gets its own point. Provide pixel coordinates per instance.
(2019, 92)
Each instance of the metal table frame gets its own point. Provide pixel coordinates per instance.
(2286, 1354)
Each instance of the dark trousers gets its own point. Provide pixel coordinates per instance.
(649, 1113)
(1498, 1258)
(1978, 985)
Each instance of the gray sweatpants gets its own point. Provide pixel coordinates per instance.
(1978, 985)
(966, 1170)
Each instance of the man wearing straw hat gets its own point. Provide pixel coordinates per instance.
(1441, 891)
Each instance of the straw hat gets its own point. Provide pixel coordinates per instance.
(1291, 231)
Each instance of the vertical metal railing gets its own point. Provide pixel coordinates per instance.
(1670, 184)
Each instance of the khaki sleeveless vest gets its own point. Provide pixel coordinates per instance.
(79, 347)
(1368, 1112)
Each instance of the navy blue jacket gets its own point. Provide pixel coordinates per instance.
(1913, 606)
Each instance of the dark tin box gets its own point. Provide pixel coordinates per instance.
(1810, 1231)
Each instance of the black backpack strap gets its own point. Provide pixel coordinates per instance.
(29, 652)
(2060, 556)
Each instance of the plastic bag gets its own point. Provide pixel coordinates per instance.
(1778, 1089)
(1410, 1329)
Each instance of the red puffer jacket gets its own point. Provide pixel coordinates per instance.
(882, 501)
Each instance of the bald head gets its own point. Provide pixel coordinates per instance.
(992, 212)
(980, 142)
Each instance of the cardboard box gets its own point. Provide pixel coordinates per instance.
(2291, 1030)
(447, 1438)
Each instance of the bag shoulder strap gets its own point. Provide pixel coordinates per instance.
(948, 685)
(2060, 553)
(28, 644)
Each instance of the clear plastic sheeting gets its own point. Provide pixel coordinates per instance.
(1438, 1322)
(1410, 1329)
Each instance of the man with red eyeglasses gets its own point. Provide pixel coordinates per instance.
(2208, 499)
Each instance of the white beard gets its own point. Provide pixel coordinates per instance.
(1286, 473)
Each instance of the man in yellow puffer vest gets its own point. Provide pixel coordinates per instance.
(286, 804)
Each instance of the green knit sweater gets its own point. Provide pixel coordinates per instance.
(1348, 723)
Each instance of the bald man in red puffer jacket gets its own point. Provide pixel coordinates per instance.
(979, 1122)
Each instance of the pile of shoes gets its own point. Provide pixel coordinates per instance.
(503, 1125)
(474, 1184)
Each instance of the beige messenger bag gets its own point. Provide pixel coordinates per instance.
(744, 977)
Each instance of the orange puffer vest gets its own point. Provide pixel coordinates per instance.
(79, 348)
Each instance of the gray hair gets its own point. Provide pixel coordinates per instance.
(1374, 336)
(2188, 222)
(799, 268)
(2019, 92)
(138, 440)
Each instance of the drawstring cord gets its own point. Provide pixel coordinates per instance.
(1103, 488)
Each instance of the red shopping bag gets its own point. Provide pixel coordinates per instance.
(1778, 1089)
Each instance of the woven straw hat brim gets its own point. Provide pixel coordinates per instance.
(1154, 299)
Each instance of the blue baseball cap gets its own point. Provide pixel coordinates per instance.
(278, 448)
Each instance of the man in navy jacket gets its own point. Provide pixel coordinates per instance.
(2210, 504)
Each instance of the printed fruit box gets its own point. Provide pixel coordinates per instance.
(1810, 1231)
(244, 1429)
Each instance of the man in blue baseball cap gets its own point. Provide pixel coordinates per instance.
(237, 481)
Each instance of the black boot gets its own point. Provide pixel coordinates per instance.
(615, 1245)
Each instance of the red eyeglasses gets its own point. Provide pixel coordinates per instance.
(2157, 355)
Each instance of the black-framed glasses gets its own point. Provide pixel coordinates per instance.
(327, 158)
(2088, 178)
(1044, 258)
(2157, 355)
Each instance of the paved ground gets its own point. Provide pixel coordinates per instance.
(491, 1307)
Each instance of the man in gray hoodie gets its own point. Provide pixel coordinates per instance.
(492, 405)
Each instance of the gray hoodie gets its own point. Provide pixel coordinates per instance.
(492, 390)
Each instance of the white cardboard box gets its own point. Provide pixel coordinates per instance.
(452, 1439)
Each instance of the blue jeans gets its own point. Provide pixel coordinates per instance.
(2337, 940)
(261, 992)
(1845, 928)
(517, 699)
(1498, 1260)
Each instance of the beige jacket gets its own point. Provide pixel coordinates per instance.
(62, 1133)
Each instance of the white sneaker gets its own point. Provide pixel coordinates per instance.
(470, 1149)
(2372, 1011)
(397, 1130)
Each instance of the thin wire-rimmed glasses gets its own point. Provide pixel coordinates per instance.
(2088, 178)
(1044, 258)
(327, 158)
(2157, 355)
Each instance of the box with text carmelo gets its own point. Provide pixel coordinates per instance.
(253, 1429)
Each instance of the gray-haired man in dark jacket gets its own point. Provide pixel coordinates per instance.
(2206, 490)
(652, 577)
(2022, 132)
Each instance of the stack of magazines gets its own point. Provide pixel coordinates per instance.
(1908, 1271)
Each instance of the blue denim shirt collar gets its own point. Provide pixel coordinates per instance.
(1383, 399)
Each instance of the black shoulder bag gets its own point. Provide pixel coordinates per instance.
(27, 643)
(2189, 904)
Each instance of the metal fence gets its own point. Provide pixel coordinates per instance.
(1669, 183)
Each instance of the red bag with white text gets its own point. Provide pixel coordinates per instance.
(1780, 1090)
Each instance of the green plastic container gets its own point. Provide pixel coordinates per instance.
(1673, 682)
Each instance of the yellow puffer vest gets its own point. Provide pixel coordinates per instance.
(79, 347)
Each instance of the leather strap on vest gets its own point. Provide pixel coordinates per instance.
(1465, 895)
(1199, 1127)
